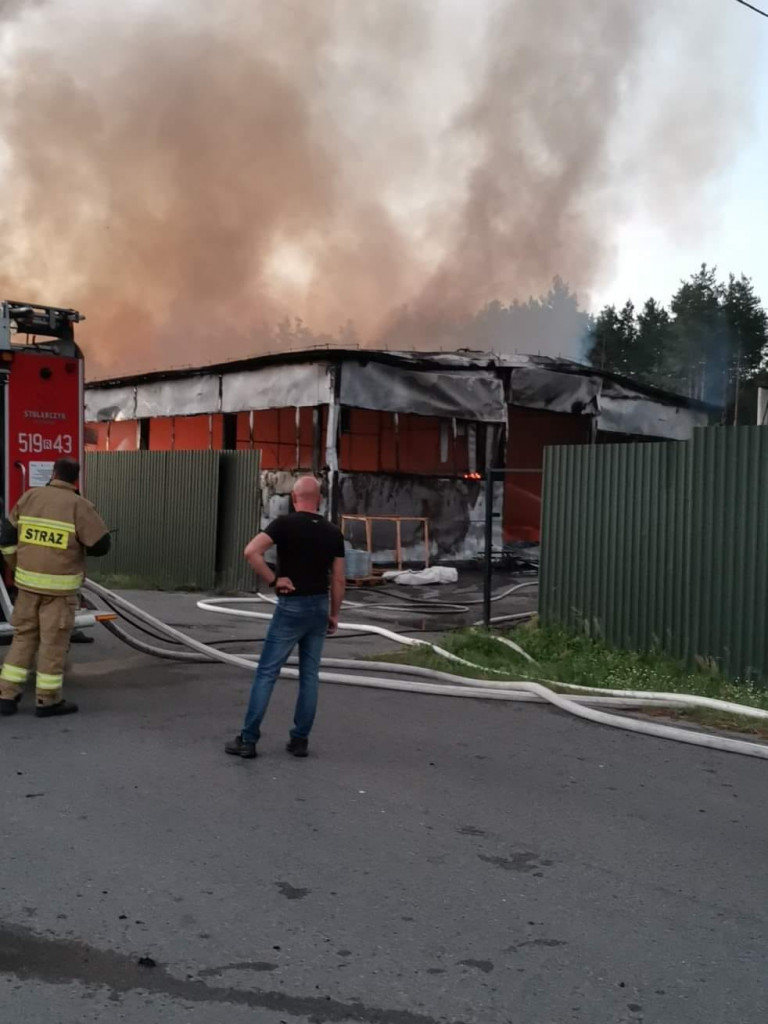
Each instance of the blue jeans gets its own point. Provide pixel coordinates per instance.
(297, 620)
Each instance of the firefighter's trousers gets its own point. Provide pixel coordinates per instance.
(42, 626)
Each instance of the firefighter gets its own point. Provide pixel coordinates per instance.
(46, 538)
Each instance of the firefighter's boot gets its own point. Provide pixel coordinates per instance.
(64, 707)
(9, 707)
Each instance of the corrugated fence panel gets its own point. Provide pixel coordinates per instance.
(193, 481)
(164, 508)
(730, 550)
(662, 546)
(239, 514)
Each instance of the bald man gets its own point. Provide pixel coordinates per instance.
(310, 563)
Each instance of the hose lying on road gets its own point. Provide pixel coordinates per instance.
(219, 605)
(584, 706)
(457, 685)
(156, 635)
(436, 606)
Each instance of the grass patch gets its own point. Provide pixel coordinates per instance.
(569, 658)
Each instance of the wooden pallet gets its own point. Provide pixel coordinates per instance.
(397, 521)
(365, 581)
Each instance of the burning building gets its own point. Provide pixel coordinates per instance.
(394, 433)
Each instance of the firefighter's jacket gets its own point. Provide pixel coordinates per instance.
(47, 536)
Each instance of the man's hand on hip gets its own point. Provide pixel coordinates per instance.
(284, 585)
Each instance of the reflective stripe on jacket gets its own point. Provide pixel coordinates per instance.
(55, 524)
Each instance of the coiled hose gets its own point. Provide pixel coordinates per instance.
(423, 680)
(435, 606)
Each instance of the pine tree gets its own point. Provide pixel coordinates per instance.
(701, 353)
(655, 343)
(747, 336)
(614, 340)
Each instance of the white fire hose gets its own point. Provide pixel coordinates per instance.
(584, 705)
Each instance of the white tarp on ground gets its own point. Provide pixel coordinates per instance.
(423, 577)
(467, 395)
(190, 396)
(277, 387)
(107, 404)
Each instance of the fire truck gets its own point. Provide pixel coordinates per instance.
(41, 400)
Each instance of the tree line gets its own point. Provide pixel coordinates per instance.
(710, 343)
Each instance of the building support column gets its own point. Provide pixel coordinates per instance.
(331, 443)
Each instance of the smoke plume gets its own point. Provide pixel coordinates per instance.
(188, 174)
(9, 9)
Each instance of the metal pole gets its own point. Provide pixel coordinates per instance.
(5, 325)
(488, 567)
(762, 406)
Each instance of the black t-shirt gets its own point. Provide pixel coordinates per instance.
(306, 547)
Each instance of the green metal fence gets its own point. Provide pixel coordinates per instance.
(239, 514)
(181, 519)
(662, 546)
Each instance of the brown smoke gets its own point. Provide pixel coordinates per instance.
(158, 168)
(10, 9)
(541, 123)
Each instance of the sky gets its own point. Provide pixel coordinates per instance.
(188, 174)
(731, 232)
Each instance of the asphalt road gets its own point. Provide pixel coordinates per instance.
(433, 860)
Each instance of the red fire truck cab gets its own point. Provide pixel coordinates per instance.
(41, 391)
(41, 400)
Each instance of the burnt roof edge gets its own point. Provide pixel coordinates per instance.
(420, 360)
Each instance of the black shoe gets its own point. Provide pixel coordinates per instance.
(9, 707)
(298, 746)
(79, 637)
(241, 748)
(64, 707)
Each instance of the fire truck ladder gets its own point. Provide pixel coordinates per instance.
(48, 322)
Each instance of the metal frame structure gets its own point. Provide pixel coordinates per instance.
(490, 477)
(398, 521)
(38, 322)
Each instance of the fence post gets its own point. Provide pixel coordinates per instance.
(488, 565)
